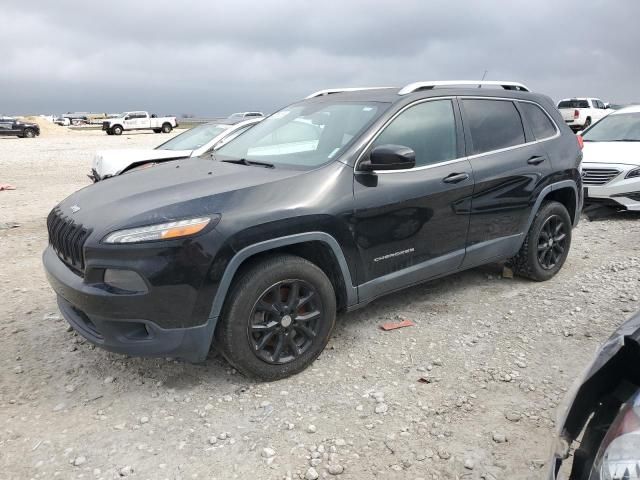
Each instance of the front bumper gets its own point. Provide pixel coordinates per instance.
(101, 317)
(623, 191)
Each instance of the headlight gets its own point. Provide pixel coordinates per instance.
(619, 454)
(161, 231)
(633, 173)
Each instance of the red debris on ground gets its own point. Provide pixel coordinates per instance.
(393, 325)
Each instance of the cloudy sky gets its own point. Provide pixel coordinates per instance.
(215, 57)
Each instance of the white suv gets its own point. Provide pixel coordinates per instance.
(581, 113)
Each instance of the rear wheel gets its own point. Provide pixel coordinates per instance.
(29, 133)
(587, 123)
(117, 130)
(166, 128)
(278, 318)
(547, 243)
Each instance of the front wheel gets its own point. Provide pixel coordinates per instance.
(166, 128)
(547, 243)
(117, 130)
(278, 317)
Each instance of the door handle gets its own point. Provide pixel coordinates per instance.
(535, 160)
(456, 178)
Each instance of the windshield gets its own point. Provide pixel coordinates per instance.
(304, 135)
(573, 104)
(622, 127)
(194, 138)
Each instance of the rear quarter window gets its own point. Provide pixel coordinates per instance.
(493, 124)
(573, 104)
(540, 123)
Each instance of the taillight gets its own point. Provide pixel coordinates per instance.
(580, 141)
(576, 113)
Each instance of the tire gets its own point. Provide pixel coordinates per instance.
(587, 123)
(116, 130)
(166, 128)
(109, 132)
(541, 255)
(256, 312)
(157, 130)
(29, 133)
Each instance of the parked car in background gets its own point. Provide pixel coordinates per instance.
(580, 113)
(10, 126)
(598, 429)
(139, 121)
(611, 164)
(245, 115)
(256, 252)
(194, 142)
(62, 121)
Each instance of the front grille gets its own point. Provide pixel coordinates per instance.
(67, 239)
(598, 176)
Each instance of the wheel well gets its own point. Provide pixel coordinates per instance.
(318, 253)
(166, 123)
(115, 125)
(567, 197)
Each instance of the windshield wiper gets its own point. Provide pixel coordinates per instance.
(244, 161)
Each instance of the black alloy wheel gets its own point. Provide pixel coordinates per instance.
(551, 242)
(278, 316)
(284, 321)
(547, 243)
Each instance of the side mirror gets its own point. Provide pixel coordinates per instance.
(389, 157)
(127, 117)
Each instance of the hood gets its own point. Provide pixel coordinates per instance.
(108, 163)
(611, 152)
(186, 188)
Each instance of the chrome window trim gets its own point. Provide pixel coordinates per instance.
(470, 157)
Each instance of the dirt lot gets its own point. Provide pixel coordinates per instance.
(498, 354)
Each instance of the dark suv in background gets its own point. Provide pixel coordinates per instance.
(324, 206)
(10, 126)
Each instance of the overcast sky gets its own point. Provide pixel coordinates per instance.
(216, 57)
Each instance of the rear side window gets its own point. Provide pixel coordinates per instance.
(428, 128)
(540, 123)
(494, 124)
(573, 104)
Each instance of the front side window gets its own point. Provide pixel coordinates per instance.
(304, 135)
(428, 128)
(540, 123)
(194, 138)
(619, 127)
(494, 124)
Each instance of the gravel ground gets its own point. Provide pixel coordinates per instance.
(496, 357)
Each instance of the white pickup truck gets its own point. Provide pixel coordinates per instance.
(580, 113)
(138, 121)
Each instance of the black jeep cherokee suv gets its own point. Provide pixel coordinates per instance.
(324, 206)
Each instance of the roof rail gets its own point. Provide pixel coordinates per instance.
(414, 87)
(329, 91)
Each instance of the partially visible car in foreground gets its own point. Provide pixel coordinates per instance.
(611, 163)
(239, 115)
(580, 113)
(194, 142)
(598, 429)
(10, 126)
(139, 121)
